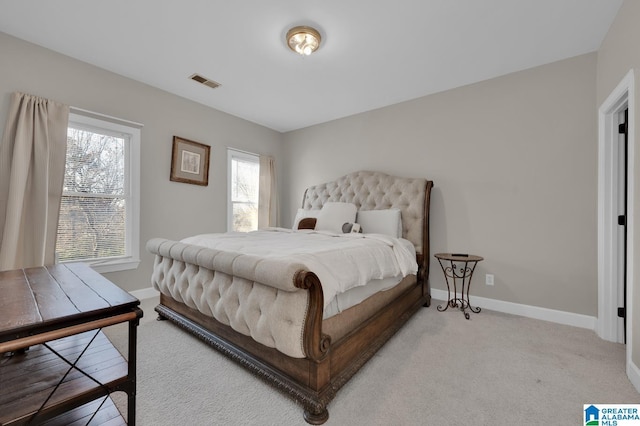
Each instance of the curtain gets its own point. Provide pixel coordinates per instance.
(32, 163)
(267, 198)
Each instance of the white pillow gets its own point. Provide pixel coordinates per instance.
(333, 215)
(302, 214)
(387, 222)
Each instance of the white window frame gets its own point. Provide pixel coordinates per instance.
(131, 131)
(231, 154)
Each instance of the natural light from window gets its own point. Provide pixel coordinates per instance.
(98, 212)
(93, 209)
(244, 179)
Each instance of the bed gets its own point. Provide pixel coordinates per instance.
(271, 314)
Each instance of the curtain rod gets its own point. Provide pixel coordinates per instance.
(117, 120)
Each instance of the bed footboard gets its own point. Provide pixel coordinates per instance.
(277, 303)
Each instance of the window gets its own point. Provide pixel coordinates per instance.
(244, 180)
(99, 212)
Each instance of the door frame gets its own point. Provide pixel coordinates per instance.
(607, 325)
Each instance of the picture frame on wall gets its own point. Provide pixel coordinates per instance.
(190, 162)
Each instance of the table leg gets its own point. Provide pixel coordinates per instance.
(132, 359)
(446, 280)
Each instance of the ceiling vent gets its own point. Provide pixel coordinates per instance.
(205, 81)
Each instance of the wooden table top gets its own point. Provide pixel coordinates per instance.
(37, 300)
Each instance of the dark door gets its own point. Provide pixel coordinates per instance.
(623, 129)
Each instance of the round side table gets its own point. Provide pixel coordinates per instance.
(460, 269)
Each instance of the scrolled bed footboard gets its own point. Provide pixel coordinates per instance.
(275, 302)
(316, 344)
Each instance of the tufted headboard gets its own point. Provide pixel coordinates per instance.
(379, 191)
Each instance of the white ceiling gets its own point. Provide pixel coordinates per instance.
(374, 53)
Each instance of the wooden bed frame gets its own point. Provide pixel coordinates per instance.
(314, 380)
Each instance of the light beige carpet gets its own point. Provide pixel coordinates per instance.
(440, 369)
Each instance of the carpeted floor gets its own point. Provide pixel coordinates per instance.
(440, 369)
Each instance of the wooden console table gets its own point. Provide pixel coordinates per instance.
(56, 365)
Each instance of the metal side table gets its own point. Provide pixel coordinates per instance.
(460, 269)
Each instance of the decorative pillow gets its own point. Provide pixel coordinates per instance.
(307, 223)
(333, 215)
(388, 222)
(348, 228)
(302, 214)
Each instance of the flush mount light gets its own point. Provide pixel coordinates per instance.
(303, 40)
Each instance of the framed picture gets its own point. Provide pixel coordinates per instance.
(190, 162)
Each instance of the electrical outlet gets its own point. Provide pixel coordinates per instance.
(488, 280)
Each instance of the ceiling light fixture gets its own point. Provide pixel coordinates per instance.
(303, 40)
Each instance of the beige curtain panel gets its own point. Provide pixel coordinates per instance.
(267, 204)
(32, 163)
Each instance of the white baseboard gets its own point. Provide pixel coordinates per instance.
(145, 293)
(633, 373)
(560, 317)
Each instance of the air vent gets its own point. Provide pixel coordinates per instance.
(205, 81)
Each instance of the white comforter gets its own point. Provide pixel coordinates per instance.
(341, 261)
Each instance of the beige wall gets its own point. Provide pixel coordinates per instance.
(168, 209)
(514, 162)
(618, 54)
